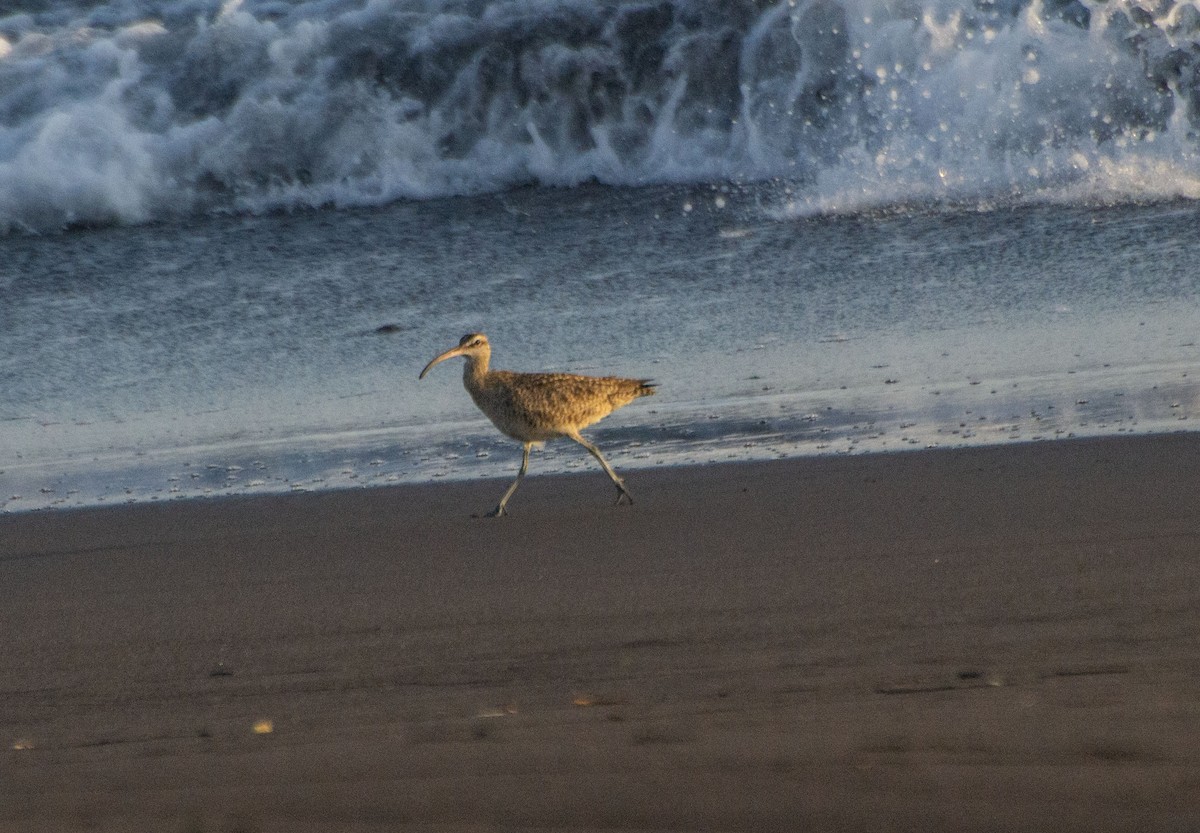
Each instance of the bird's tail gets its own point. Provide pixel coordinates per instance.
(645, 387)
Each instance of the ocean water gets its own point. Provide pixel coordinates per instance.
(231, 234)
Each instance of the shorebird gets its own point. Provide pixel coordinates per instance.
(535, 407)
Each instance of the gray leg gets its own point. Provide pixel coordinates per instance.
(499, 510)
(622, 492)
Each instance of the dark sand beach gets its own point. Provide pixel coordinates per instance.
(1003, 638)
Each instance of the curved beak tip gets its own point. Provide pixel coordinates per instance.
(449, 354)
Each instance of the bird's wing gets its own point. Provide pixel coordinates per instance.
(566, 400)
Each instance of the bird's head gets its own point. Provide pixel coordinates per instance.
(473, 345)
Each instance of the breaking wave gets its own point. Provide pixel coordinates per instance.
(129, 111)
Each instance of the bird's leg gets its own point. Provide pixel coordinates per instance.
(622, 492)
(499, 510)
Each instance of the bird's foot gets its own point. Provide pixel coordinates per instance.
(498, 512)
(623, 494)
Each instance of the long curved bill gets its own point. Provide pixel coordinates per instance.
(449, 354)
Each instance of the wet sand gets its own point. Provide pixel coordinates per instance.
(973, 640)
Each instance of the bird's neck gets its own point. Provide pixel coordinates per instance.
(474, 370)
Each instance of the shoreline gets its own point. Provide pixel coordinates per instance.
(986, 638)
(250, 471)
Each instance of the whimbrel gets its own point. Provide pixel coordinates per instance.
(535, 407)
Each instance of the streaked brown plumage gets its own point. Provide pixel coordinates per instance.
(535, 407)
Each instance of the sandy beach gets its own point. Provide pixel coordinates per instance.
(989, 639)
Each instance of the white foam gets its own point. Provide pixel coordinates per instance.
(127, 112)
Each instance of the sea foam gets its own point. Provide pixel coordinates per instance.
(130, 111)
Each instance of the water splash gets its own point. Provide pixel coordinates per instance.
(126, 111)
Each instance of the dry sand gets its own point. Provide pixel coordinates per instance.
(976, 640)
